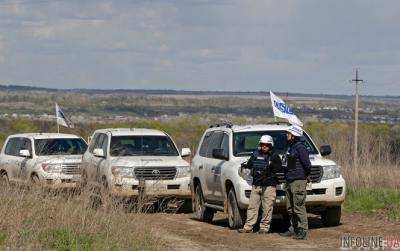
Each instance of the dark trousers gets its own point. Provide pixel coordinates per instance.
(296, 203)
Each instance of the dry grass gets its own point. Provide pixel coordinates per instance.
(37, 219)
(379, 156)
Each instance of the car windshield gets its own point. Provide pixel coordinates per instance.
(142, 145)
(245, 143)
(60, 146)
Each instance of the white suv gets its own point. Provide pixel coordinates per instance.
(47, 158)
(129, 161)
(220, 184)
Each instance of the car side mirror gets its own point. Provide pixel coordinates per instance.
(24, 153)
(325, 150)
(98, 152)
(218, 153)
(185, 152)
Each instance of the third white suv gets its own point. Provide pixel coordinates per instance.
(51, 159)
(220, 184)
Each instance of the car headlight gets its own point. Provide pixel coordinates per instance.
(123, 171)
(245, 174)
(182, 171)
(51, 168)
(331, 172)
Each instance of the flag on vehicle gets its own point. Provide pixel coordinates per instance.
(62, 119)
(281, 110)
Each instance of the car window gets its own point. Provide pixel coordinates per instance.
(25, 144)
(204, 144)
(104, 144)
(244, 143)
(215, 142)
(60, 146)
(93, 142)
(147, 145)
(225, 144)
(11, 147)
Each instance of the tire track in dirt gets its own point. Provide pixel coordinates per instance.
(184, 233)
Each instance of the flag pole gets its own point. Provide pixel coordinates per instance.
(58, 128)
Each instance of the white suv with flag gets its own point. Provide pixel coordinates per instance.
(50, 159)
(220, 184)
(129, 162)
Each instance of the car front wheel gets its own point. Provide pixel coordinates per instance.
(201, 212)
(331, 216)
(236, 216)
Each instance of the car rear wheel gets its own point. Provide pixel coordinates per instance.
(201, 212)
(4, 179)
(331, 216)
(236, 216)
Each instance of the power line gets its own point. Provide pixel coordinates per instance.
(356, 81)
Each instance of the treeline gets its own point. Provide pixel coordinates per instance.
(378, 142)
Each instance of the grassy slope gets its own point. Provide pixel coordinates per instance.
(372, 201)
(36, 220)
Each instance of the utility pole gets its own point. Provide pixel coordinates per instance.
(356, 81)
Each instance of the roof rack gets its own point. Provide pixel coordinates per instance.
(278, 123)
(222, 124)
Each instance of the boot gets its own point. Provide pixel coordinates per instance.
(264, 231)
(301, 234)
(290, 232)
(244, 230)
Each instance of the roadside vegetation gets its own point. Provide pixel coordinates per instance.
(34, 220)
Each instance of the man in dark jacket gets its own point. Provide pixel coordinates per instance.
(297, 168)
(263, 164)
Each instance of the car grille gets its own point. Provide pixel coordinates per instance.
(71, 169)
(315, 175)
(155, 173)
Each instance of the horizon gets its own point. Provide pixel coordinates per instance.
(192, 90)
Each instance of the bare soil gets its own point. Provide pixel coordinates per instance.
(182, 232)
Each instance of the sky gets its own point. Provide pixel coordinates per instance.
(308, 46)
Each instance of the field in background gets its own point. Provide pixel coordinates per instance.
(379, 145)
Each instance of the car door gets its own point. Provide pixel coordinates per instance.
(8, 158)
(15, 161)
(217, 166)
(88, 159)
(199, 160)
(211, 167)
(98, 162)
(101, 163)
(26, 162)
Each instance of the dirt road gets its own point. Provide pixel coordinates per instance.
(184, 233)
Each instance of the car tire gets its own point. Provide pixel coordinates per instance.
(331, 216)
(236, 216)
(201, 212)
(4, 179)
(35, 180)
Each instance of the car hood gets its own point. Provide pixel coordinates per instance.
(150, 161)
(60, 159)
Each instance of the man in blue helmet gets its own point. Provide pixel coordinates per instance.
(297, 168)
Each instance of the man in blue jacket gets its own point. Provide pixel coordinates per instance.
(264, 163)
(297, 168)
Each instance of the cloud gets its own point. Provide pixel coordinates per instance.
(201, 44)
(2, 50)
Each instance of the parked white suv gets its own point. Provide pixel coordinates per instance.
(128, 162)
(220, 184)
(47, 158)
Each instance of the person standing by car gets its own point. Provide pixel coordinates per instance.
(263, 163)
(297, 167)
